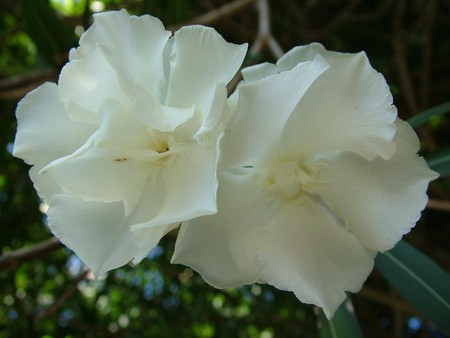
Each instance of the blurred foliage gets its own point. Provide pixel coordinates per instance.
(50, 297)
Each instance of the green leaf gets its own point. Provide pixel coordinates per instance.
(440, 162)
(419, 280)
(424, 117)
(344, 323)
(52, 36)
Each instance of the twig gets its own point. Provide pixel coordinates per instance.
(13, 259)
(381, 298)
(17, 86)
(429, 17)
(336, 20)
(51, 310)
(264, 36)
(373, 14)
(405, 78)
(439, 205)
(216, 14)
(401, 60)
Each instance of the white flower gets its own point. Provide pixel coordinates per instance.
(126, 145)
(319, 175)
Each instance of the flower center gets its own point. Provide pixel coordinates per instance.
(288, 178)
(159, 141)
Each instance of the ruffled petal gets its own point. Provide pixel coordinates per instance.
(259, 72)
(200, 59)
(348, 108)
(301, 54)
(379, 201)
(263, 109)
(151, 201)
(101, 175)
(99, 233)
(157, 116)
(111, 166)
(214, 114)
(85, 84)
(304, 251)
(190, 184)
(45, 132)
(220, 246)
(134, 47)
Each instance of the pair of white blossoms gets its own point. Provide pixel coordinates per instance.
(297, 180)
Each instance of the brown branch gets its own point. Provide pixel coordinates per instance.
(441, 205)
(405, 77)
(216, 14)
(264, 36)
(15, 258)
(340, 17)
(401, 60)
(372, 15)
(16, 87)
(51, 310)
(387, 300)
(429, 18)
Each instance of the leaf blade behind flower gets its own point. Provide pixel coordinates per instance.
(344, 324)
(440, 162)
(424, 117)
(419, 280)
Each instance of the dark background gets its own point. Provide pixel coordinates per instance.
(50, 295)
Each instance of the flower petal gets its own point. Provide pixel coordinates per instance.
(200, 59)
(355, 113)
(99, 233)
(111, 166)
(214, 113)
(157, 116)
(304, 251)
(219, 247)
(45, 132)
(101, 175)
(263, 109)
(190, 184)
(134, 47)
(86, 83)
(259, 72)
(379, 201)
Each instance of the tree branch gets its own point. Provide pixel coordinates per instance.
(16, 87)
(387, 300)
(13, 259)
(216, 14)
(264, 36)
(406, 80)
(439, 205)
(51, 310)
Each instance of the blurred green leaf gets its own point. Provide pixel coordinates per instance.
(423, 118)
(440, 162)
(70, 8)
(419, 280)
(52, 36)
(344, 324)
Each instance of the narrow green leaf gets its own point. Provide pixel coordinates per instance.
(440, 162)
(419, 280)
(344, 323)
(52, 36)
(423, 118)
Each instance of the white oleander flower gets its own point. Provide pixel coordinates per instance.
(126, 145)
(318, 175)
